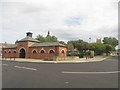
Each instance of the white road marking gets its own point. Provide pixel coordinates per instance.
(66, 82)
(25, 68)
(90, 72)
(5, 64)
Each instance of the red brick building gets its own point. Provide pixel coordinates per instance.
(29, 47)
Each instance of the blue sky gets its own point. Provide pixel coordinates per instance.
(66, 19)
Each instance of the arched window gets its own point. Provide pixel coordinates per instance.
(51, 51)
(9, 51)
(42, 51)
(62, 51)
(14, 51)
(34, 51)
(5, 51)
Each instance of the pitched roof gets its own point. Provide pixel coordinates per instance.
(10, 46)
(5, 44)
(27, 38)
(45, 44)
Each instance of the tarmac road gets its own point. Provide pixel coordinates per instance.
(102, 74)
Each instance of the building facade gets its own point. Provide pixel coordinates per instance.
(29, 47)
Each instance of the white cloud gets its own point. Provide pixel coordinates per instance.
(66, 19)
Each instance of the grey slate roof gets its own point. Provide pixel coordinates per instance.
(28, 39)
(11, 46)
(5, 44)
(45, 44)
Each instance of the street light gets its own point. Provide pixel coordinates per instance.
(89, 39)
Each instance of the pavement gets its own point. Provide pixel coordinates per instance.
(72, 60)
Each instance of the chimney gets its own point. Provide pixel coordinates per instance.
(29, 34)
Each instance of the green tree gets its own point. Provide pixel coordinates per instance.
(80, 45)
(62, 42)
(108, 49)
(47, 38)
(98, 48)
(91, 46)
(101, 48)
(41, 38)
(83, 46)
(70, 49)
(111, 41)
(51, 39)
(75, 43)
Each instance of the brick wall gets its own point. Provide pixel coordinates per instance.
(35, 52)
(10, 53)
(47, 53)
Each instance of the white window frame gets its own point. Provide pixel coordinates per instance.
(5, 51)
(34, 50)
(43, 50)
(14, 51)
(9, 51)
(21, 48)
(62, 50)
(50, 50)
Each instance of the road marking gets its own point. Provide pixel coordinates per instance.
(25, 68)
(66, 82)
(5, 64)
(90, 72)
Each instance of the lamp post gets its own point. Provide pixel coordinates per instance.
(89, 39)
(89, 52)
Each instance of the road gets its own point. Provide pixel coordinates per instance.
(102, 74)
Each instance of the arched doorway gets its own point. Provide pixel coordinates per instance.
(22, 53)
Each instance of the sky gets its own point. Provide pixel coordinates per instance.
(65, 19)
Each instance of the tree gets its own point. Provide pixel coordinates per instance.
(62, 42)
(108, 49)
(83, 46)
(91, 46)
(41, 38)
(75, 43)
(98, 48)
(47, 38)
(70, 49)
(51, 39)
(80, 45)
(111, 41)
